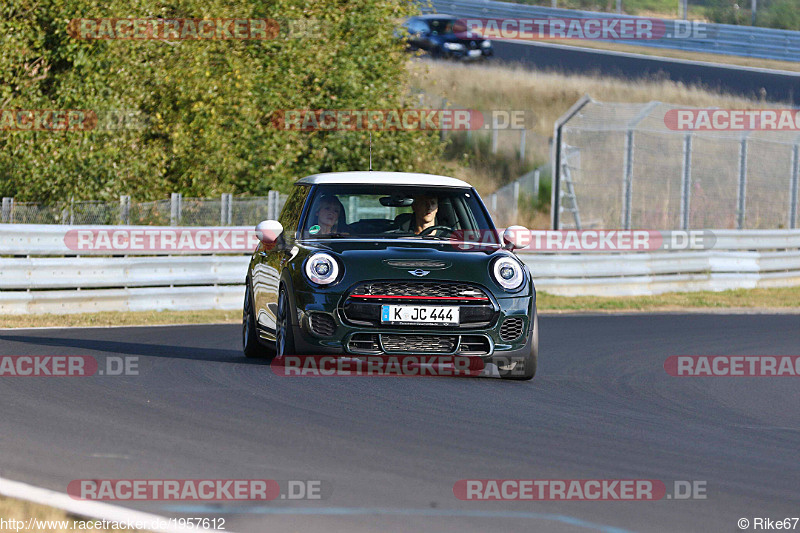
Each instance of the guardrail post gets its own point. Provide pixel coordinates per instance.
(226, 210)
(522, 134)
(686, 181)
(125, 209)
(794, 186)
(8, 210)
(742, 195)
(175, 206)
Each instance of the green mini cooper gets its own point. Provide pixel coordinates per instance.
(389, 263)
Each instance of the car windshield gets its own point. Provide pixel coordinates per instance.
(397, 212)
(441, 26)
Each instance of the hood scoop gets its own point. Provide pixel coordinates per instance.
(417, 263)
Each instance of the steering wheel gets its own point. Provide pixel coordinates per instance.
(428, 231)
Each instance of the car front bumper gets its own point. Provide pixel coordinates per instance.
(307, 341)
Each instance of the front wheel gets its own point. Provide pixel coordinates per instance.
(251, 345)
(524, 368)
(284, 333)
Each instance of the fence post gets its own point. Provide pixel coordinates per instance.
(794, 186)
(442, 130)
(556, 159)
(272, 205)
(627, 181)
(536, 176)
(226, 209)
(175, 205)
(494, 135)
(8, 208)
(522, 134)
(125, 210)
(686, 182)
(742, 200)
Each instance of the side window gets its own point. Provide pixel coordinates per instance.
(290, 215)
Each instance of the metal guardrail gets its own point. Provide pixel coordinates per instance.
(97, 281)
(747, 41)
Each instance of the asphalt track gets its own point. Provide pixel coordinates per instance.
(601, 407)
(773, 85)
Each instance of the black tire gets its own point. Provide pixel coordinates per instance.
(251, 345)
(525, 368)
(284, 333)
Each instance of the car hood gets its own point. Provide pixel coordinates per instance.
(410, 260)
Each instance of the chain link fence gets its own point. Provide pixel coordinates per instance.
(620, 166)
(177, 211)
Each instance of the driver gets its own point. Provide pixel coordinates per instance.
(425, 208)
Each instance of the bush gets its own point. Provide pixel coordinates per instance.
(206, 104)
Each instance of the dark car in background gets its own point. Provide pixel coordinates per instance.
(444, 36)
(385, 263)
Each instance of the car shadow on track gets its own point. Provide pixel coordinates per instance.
(109, 347)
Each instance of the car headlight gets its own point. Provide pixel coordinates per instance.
(322, 268)
(486, 44)
(508, 273)
(454, 46)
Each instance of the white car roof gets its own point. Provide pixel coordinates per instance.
(382, 178)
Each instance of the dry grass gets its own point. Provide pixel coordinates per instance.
(549, 94)
(11, 509)
(139, 318)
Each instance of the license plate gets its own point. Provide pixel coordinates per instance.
(419, 314)
(474, 53)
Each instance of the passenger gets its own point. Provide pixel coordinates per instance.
(328, 217)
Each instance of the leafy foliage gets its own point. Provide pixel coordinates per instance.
(205, 104)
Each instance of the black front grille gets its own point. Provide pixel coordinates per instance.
(322, 324)
(363, 304)
(419, 343)
(421, 289)
(415, 263)
(511, 328)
